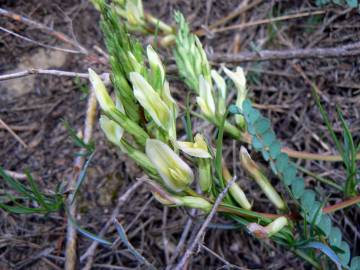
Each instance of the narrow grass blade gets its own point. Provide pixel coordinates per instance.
(130, 247)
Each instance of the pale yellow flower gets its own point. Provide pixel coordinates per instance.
(150, 100)
(175, 173)
(198, 148)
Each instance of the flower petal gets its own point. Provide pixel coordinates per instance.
(175, 173)
(150, 100)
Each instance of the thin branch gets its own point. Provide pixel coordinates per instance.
(182, 240)
(271, 20)
(37, 42)
(60, 73)
(227, 264)
(16, 175)
(265, 55)
(341, 205)
(13, 133)
(43, 27)
(90, 252)
(203, 227)
(70, 252)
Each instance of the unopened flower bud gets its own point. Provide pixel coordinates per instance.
(155, 62)
(239, 80)
(205, 98)
(102, 96)
(252, 168)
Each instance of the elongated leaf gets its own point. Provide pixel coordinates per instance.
(327, 251)
(86, 233)
(82, 175)
(130, 247)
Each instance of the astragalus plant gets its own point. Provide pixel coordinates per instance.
(141, 119)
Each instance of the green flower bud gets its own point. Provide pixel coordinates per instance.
(155, 62)
(235, 190)
(205, 99)
(196, 202)
(251, 168)
(102, 96)
(239, 80)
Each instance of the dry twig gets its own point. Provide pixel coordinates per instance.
(90, 252)
(43, 27)
(203, 227)
(266, 55)
(71, 256)
(13, 133)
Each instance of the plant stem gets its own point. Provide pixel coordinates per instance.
(342, 205)
(320, 178)
(307, 258)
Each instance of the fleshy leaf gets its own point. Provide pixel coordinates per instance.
(298, 187)
(289, 174)
(335, 237)
(282, 162)
(345, 256)
(262, 125)
(269, 137)
(325, 225)
(355, 263)
(275, 150)
(307, 199)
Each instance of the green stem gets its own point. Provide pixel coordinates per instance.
(320, 178)
(307, 258)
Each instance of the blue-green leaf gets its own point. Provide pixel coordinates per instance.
(275, 149)
(257, 144)
(355, 263)
(282, 161)
(325, 225)
(315, 213)
(289, 174)
(326, 250)
(298, 187)
(262, 125)
(273, 167)
(345, 256)
(253, 115)
(251, 129)
(246, 106)
(269, 137)
(335, 237)
(233, 109)
(265, 154)
(307, 199)
(352, 3)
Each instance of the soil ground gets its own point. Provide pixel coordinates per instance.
(34, 108)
